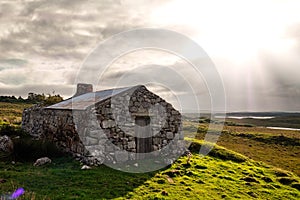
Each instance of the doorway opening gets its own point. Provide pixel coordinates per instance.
(143, 136)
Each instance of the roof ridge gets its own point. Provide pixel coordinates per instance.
(89, 98)
(117, 88)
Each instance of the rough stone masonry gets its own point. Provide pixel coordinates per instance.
(127, 125)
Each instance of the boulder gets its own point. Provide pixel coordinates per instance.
(6, 144)
(84, 167)
(42, 161)
(92, 161)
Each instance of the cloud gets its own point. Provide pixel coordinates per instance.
(11, 63)
(35, 34)
(24, 89)
(43, 44)
(62, 29)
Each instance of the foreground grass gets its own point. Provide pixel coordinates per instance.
(279, 148)
(223, 174)
(63, 179)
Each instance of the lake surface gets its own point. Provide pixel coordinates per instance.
(283, 128)
(246, 117)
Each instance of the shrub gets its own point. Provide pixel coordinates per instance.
(27, 149)
(10, 130)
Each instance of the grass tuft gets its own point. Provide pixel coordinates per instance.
(216, 151)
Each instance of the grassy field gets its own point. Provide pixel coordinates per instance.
(267, 167)
(11, 113)
(281, 120)
(222, 175)
(280, 148)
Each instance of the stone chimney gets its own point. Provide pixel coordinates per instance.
(83, 88)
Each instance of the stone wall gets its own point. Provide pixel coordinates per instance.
(54, 125)
(107, 130)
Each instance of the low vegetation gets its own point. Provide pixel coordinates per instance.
(221, 175)
(11, 113)
(291, 120)
(33, 99)
(280, 148)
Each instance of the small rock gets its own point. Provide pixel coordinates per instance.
(13, 162)
(84, 167)
(42, 161)
(6, 144)
(169, 179)
(92, 161)
(136, 164)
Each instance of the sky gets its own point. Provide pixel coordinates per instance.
(254, 45)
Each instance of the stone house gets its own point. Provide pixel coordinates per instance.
(113, 125)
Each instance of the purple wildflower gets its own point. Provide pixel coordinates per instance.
(17, 193)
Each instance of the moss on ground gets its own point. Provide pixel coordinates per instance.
(209, 177)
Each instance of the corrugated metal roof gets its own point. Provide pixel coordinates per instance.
(84, 101)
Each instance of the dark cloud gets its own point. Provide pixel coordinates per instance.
(65, 29)
(41, 32)
(43, 44)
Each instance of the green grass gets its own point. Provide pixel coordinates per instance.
(279, 148)
(11, 113)
(221, 175)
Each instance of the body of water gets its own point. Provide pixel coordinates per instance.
(246, 117)
(283, 128)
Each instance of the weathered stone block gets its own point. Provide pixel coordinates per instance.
(6, 144)
(170, 135)
(121, 156)
(102, 141)
(93, 123)
(91, 141)
(108, 124)
(94, 133)
(109, 148)
(156, 140)
(131, 144)
(176, 137)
